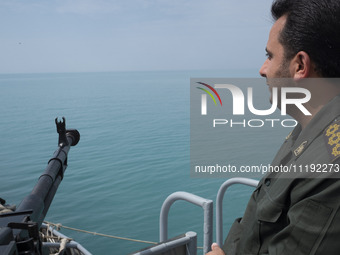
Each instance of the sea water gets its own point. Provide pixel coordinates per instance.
(133, 152)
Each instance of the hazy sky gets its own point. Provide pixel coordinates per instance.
(118, 35)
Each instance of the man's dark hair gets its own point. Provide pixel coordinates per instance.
(312, 26)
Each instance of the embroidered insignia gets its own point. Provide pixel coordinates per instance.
(336, 151)
(300, 149)
(332, 129)
(289, 135)
(332, 140)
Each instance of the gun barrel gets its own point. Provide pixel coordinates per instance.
(19, 230)
(40, 199)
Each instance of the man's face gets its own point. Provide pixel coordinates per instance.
(275, 66)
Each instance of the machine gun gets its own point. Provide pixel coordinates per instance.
(19, 230)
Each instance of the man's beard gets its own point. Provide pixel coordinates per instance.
(282, 79)
(283, 71)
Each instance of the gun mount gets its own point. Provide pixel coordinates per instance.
(19, 230)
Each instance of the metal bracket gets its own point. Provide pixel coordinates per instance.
(30, 226)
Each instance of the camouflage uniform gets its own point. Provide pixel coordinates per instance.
(296, 215)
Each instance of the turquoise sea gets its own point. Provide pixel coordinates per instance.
(133, 152)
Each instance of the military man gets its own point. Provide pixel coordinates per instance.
(299, 215)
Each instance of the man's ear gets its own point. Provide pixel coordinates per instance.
(301, 66)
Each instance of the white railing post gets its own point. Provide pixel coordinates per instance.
(219, 201)
(207, 206)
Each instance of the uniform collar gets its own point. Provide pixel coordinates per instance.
(316, 126)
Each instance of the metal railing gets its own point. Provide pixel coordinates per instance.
(219, 200)
(207, 206)
(189, 240)
(71, 244)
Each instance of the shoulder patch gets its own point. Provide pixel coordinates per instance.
(332, 140)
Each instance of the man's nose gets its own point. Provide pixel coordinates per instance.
(263, 69)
